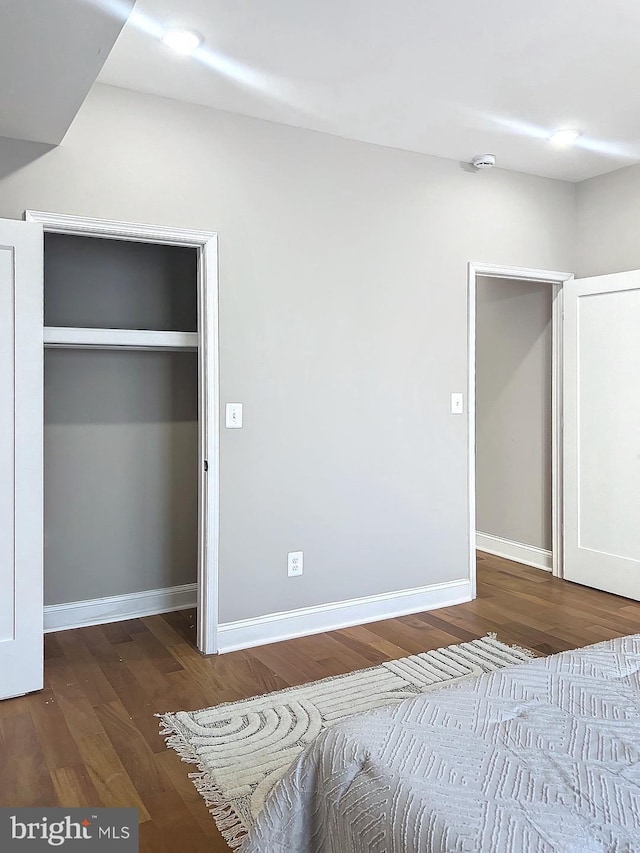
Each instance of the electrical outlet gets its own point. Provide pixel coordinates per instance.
(294, 564)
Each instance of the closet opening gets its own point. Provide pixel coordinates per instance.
(130, 425)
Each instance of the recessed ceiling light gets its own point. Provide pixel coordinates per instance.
(565, 138)
(181, 41)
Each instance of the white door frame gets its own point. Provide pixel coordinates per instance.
(558, 279)
(206, 244)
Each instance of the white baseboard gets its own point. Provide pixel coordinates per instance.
(115, 608)
(527, 554)
(274, 627)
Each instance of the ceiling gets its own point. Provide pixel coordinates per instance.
(453, 78)
(49, 59)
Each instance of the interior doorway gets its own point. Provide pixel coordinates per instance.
(515, 388)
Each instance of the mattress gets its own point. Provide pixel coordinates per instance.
(539, 757)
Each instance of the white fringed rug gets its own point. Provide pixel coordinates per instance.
(243, 748)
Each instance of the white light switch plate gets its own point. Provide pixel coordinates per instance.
(457, 403)
(233, 416)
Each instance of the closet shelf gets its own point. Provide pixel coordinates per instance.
(119, 339)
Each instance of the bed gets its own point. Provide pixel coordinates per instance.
(539, 757)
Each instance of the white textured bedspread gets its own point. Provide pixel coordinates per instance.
(540, 757)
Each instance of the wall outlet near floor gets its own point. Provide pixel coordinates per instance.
(294, 564)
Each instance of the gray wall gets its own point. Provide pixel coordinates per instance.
(608, 223)
(343, 326)
(513, 410)
(121, 463)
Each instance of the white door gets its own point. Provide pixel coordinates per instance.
(21, 367)
(601, 390)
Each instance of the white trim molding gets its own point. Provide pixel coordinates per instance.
(530, 555)
(116, 608)
(275, 627)
(61, 223)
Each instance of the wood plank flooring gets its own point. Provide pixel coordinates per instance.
(90, 737)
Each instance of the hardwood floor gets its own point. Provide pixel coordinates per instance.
(90, 737)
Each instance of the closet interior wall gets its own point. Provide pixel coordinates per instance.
(121, 417)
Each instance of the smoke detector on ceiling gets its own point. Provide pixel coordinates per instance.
(484, 161)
